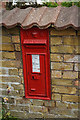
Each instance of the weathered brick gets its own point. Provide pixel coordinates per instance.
(18, 87)
(2, 71)
(72, 58)
(70, 98)
(22, 101)
(69, 31)
(56, 57)
(37, 102)
(62, 89)
(77, 83)
(72, 106)
(61, 82)
(61, 111)
(49, 103)
(77, 67)
(79, 32)
(11, 93)
(62, 49)
(17, 47)
(19, 114)
(10, 100)
(6, 39)
(41, 109)
(61, 66)
(48, 116)
(3, 86)
(55, 74)
(10, 79)
(13, 71)
(8, 55)
(6, 47)
(71, 40)
(15, 39)
(77, 49)
(20, 107)
(56, 96)
(70, 75)
(4, 31)
(13, 31)
(55, 40)
(20, 72)
(35, 115)
(61, 105)
(10, 63)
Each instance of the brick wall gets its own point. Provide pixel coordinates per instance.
(64, 56)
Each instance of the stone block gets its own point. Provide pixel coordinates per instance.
(6, 39)
(68, 31)
(70, 40)
(62, 49)
(4, 31)
(20, 107)
(63, 89)
(10, 100)
(19, 114)
(8, 55)
(77, 67)
(55, 40)
(20, 72)
(62, 82)
(37, 102)
(3, 71)
(78, 32)
(70, 75)
(72, 106)
(10, 79)
(17, 47)
(13, 31)
(61, 105)
(13, 71)
(18, 87)
(61, 66)
(56, 96)
(56, 57)
(50, 103)
(40, 109)
(61, 111)
(55, 74)
(77, 49)
(70, 98)
(23, 101)
(72, 58)
(11, 63)
(16, 39)
(35, 115)
(3, 86)
(7, 47)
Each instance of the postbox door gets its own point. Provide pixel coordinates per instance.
(36, 73)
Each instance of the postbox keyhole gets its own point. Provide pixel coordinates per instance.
(32, 77)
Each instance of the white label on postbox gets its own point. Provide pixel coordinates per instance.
(35, 63)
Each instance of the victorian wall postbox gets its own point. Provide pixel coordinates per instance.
(36, 63)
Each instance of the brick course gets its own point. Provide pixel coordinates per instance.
(65, 67)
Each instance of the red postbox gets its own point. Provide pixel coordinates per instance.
(36, 63)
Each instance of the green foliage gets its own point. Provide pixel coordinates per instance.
(66, 4)
(77, 3)
(50, 4)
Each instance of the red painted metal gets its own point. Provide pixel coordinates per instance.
(37, 83)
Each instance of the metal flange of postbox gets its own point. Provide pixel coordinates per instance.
(36, 63)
